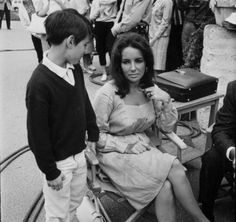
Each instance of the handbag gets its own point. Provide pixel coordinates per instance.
(187, 84)
(37, 24)
(141, 28)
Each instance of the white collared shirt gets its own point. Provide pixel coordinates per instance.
(64, 73)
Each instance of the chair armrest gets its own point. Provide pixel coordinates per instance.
(176, 140)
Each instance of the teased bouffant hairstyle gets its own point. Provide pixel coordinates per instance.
(61, 24)
(138, 42)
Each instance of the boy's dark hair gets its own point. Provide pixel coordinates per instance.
(61, 24)
(136, 41)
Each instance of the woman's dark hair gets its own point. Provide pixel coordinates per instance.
(138, 42)
(63, 23)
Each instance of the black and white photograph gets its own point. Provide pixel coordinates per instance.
(117, 110)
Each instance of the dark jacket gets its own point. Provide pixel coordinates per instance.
(224, 130)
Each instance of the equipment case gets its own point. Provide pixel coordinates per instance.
(186, 84)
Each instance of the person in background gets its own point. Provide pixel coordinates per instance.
(198, 15)
(221, 157)
(174, 50)
(5, 7)
(126, 109)
(130, 14)
(83, 7)
(159, 32)
(26, 9)
(103, 13)
(60, 115)
(46, 7)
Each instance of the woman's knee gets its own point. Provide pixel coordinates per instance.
(177, 169)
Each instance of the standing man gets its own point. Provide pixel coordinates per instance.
(221, 157)
(5, 6)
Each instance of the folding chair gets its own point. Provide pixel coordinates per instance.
(99, 187)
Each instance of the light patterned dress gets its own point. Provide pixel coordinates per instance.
(138, 176)
(160, 29)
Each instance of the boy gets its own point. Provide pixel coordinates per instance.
(60, 114)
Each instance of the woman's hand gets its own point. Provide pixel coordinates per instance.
(158, 94)
(137, 148)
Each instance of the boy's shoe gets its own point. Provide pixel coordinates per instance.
(104, 77)
(92, 67)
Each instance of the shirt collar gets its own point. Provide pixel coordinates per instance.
(54, 67)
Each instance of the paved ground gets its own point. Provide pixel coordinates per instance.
(21, 182)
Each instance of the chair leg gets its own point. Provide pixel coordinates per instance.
(103, 210)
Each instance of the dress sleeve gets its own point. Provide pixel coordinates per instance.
(104, 106)
(166, 117)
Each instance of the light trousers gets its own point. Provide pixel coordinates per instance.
(60, 206)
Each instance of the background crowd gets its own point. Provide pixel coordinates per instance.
(175, 27)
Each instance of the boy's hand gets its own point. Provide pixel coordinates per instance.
(91, 146)
(57, 184)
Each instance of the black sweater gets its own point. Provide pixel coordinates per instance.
(58, 117)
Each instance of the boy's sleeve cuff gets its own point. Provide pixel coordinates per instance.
(53, 174)
(93, 137)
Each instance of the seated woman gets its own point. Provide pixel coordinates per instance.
(126, 111)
